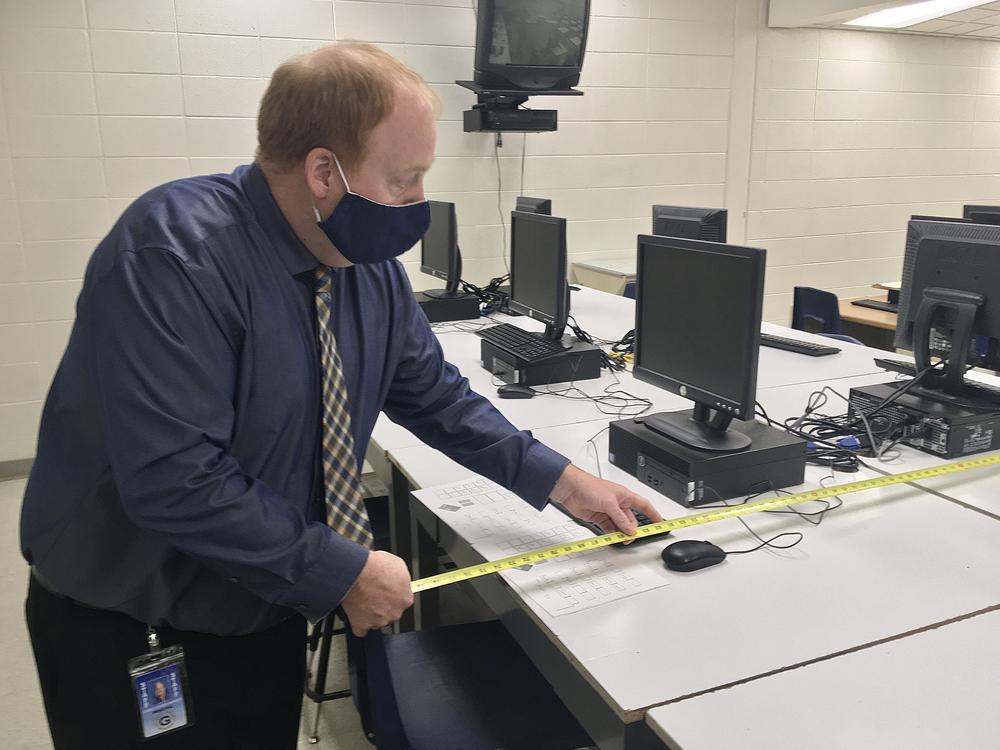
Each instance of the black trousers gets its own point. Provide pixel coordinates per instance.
(246, 690)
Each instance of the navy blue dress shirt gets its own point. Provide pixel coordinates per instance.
(177, 475)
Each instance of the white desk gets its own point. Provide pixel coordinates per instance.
(604, 316)
(924, 692)
(977, 489)
(609, 317)
(890, 561)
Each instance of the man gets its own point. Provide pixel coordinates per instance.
(159, 692)
(236, 337)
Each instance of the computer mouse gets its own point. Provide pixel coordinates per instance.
(513, 390)
(687, 555)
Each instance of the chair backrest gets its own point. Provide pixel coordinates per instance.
(815, 310)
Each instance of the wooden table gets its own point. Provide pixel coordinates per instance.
(875, 328)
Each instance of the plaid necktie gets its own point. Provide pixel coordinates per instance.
(345, 506)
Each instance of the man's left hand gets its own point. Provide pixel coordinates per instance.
(605, 503)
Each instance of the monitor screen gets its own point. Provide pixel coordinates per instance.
(436, 248)
(698, 313)
(538, 266)
(548, 33)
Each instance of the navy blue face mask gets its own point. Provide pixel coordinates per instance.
(366, 231)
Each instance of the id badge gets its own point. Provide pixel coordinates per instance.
(159, 682)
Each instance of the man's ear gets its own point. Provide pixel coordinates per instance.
(320, 172)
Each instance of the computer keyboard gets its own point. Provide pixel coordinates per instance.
(970, 388)
(877, 304)
(797, 346)
(524, 344)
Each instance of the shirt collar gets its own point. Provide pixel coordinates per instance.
(294, 254)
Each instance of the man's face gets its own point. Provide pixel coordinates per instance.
(160, 691)
(400, 151)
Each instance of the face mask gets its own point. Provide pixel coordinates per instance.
(366, 231)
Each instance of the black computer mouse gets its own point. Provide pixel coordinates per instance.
(687, 555)
(513, 390)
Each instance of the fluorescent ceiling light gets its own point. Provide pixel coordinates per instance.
(914, 13)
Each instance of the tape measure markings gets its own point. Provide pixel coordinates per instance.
(695, 519)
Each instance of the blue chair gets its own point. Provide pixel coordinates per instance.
(629, 290)
(818, 311)
(457, 687)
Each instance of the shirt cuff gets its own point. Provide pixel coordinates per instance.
(539, 473)
(327, 581)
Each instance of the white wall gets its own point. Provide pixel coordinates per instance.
(101, 99)
(854, 132)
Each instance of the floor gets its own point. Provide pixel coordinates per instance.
(22, 719)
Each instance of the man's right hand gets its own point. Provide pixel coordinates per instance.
(380, 596)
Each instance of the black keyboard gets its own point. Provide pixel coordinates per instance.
(524, 344)
(797, 346)
(877, 304)
(969, 388)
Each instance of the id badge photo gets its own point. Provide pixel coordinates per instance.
(159, 683)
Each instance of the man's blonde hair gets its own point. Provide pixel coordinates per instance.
(330, 98)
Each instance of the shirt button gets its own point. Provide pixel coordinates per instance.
(234, 579)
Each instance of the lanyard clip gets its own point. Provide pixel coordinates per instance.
(153, 639)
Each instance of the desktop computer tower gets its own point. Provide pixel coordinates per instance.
(446, 309)
(693, 477)
(579, 362)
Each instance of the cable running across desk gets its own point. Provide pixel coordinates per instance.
(697, 519)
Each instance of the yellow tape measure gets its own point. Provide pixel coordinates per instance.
(696, 519)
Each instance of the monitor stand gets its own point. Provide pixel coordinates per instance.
(703, 428)
(962, 307)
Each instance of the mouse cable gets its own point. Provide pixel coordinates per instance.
(461, 326)
(608, 362)
(723, 503)
(597, 453)
(612, 403)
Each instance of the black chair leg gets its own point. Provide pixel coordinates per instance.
(321, 638)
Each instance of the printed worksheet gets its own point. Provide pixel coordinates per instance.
(499, 524)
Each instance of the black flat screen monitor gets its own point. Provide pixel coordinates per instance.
(538, 286)
(982, 214)
(439, 253)
(707, 224)
(949, 301)
(531, 45)
(534, 205)
(698, 314)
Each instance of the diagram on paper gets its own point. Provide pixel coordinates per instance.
(499, 524)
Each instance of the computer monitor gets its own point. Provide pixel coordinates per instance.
(707, 224)
(949, 302)
(534, 205)
(982, 214)
(697, 333)
(531, 45)
(439, 253)
(538, 286)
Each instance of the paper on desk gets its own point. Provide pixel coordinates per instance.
(499, 524)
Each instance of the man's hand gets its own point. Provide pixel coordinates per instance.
(598, 501)
(380, 595)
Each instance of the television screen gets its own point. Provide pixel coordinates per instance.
(547, 33)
